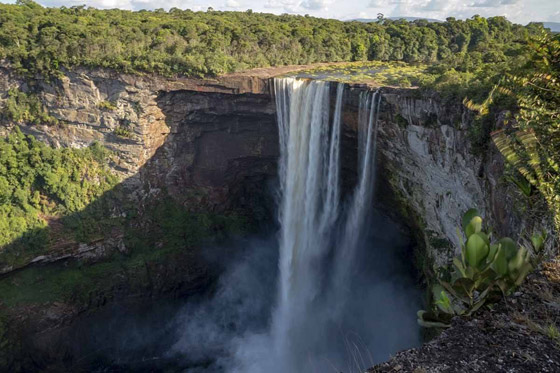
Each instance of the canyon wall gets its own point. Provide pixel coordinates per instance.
(429, 172)
(203, 149)
(212, 147)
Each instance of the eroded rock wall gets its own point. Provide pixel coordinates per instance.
(427, 155)
(429, 173)
(212, 144)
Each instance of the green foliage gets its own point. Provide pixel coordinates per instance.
(552, 332)
(25, 108)
(485, 271)
(530, 142)
(382, 73)
(38, 182)
(174, 227)
(122, 131)
(43, 40)
(161, 234)
(107, 105)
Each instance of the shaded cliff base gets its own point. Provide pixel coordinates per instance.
(520, 334)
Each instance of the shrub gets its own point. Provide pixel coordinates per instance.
(26, 108)
(107, 105)
(483, 273)
(37, 181)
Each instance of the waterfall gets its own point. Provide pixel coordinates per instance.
(363, 195)
(305, 184)
(312, 222)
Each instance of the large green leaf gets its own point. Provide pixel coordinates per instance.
(523, 272)
(468, 216)
(509, 247)
(500, 263)
(492, 253)
(477, 249)
(520, 258)
(474, 226)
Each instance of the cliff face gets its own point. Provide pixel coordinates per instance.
(221, 150)
(437, 174)
(429, 174)
(212, 145)
(209, 144)
(92, 105)
(427, 156)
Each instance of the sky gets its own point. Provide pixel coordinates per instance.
(519, 11)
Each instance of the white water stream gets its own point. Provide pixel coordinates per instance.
(332, 292)
(309, 210)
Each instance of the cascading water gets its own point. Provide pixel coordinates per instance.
(316, 256)
(309, 182)
(362, 199)
(345, 299)
(344, 302)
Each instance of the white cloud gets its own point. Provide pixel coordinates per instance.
(232, 4)
(315, 4)
(435, 5)
(384, 3)
(493, 3)
(296, 6)
(287, 5)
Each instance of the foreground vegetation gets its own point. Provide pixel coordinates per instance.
(530, 141)
(486, 271)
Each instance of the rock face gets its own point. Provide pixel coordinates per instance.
(430, 174)
(428, 159)
(437, 173)
(221, 147)
(212, 144)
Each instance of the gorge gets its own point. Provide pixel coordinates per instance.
(212, 191)
(213, 145)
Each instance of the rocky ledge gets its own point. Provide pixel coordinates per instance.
(520, 334)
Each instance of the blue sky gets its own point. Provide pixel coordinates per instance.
(520, 11)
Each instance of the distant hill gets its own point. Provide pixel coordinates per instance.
(553, 26)
(409, 19)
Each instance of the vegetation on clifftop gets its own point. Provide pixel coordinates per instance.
(43, 40)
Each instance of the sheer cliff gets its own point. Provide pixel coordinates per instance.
(197, 159)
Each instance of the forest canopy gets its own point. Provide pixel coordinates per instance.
(38, 40)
